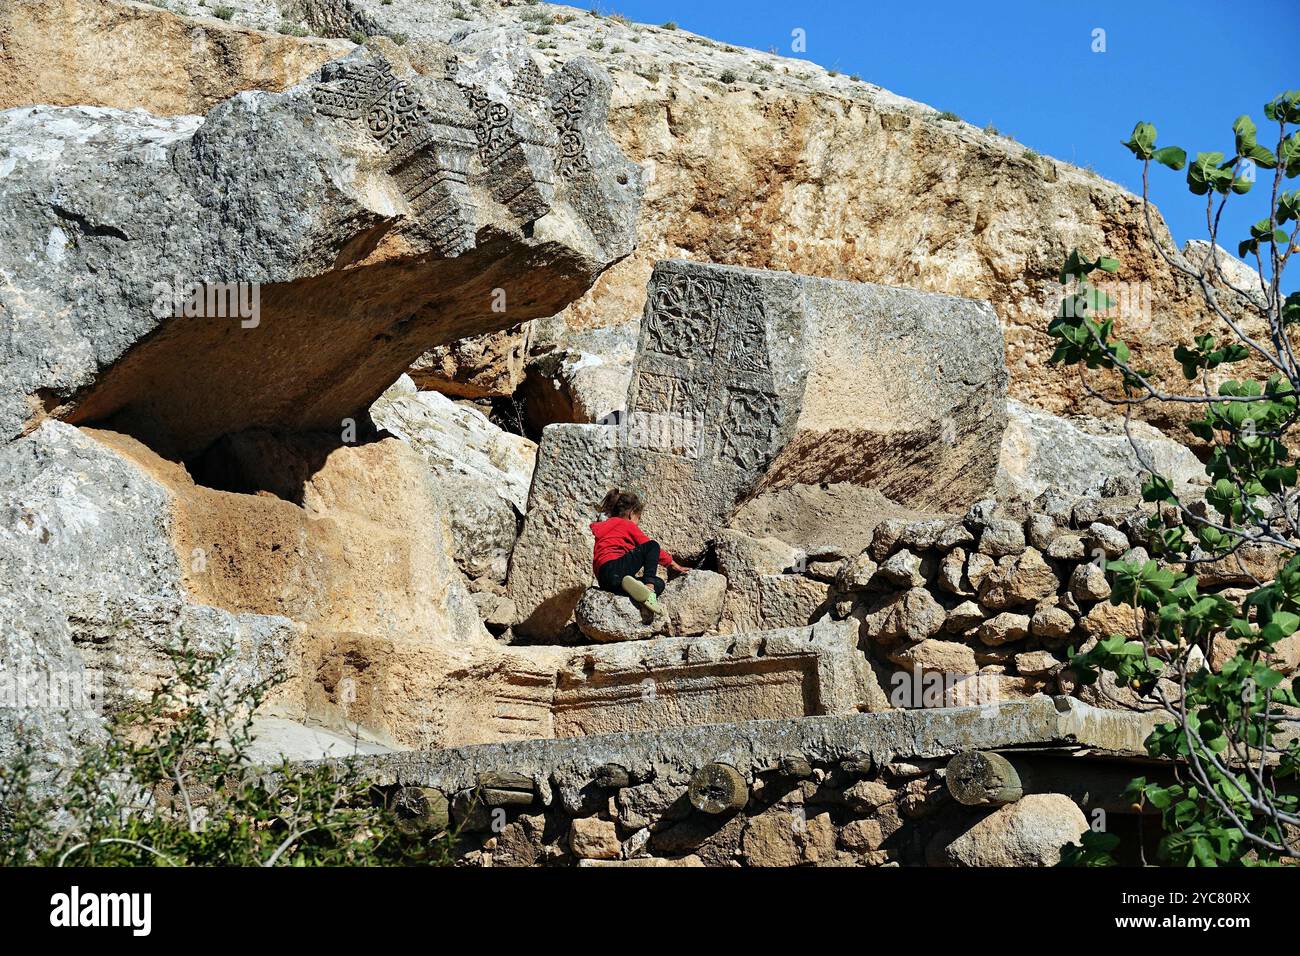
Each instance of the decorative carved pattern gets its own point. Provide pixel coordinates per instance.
(567, 110)
(528, 83)
(748, 418)
(390, 108)
(748, 352)
(495, 137)
(683, 315)
(425, 152)
(660, 393)
(515, 182)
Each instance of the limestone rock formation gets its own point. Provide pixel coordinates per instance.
(229, 294)
(1029, 832)
(135, 55)
(1075, 457)
(758, 160)
(209, 299)
(480, 366)
(373, 210)
(691, 604)
(92, 592)
(480, 471)
(747, 382)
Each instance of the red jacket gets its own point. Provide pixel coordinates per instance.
(615, 537)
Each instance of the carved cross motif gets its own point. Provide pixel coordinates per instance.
(390, 108)
(682, 317)
(568, 110)
(669, 393)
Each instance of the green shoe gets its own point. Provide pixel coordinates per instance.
(642, 593)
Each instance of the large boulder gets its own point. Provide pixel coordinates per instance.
(1030, 832)
(747, 382)
(308, 245)
(1076, 456)
(482, 472)
(691, 605)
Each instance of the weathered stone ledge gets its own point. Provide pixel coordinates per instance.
(760, 744)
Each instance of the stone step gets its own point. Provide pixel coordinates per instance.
(401, 691)
(640, 685)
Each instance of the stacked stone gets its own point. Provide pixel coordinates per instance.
(1003, 592)
(798, 810)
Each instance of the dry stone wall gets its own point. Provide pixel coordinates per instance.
(856, 790)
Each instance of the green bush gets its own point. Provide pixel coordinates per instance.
(1235, 800)
(173, 786)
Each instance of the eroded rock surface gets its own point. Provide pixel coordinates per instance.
(369, 212)
(92, 594)
(1075, 457)
(481, 472)
(748, 382)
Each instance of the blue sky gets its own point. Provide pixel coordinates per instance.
(1027, 67)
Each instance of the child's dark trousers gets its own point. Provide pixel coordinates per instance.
(642, 562)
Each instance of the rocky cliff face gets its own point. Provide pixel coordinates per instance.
(224, 297)
(807, 300)
(749, 159)
(763, 161)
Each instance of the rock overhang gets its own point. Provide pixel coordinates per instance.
(399, 198)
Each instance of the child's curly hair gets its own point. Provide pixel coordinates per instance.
(620, 504)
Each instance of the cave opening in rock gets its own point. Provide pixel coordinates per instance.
(268, 461)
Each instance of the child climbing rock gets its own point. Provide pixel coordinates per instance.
(625, 561)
